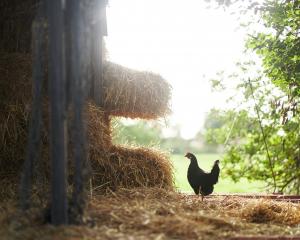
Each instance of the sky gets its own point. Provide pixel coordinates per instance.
(184, 42)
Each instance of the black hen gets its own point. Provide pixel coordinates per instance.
(201, 181)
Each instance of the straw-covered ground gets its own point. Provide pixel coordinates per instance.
(153, 213)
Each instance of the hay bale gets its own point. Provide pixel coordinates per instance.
(123, 167)
(99, 128)
(117, 167)
(134, 94)
(114, 166)
(15, 100)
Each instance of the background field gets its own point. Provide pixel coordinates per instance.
(225, 185)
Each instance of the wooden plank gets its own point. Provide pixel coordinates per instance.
(57, 97)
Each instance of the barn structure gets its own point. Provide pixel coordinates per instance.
(58, 94)
(67, 114)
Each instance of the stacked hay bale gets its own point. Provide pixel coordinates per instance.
(127, 93)
(15, 96)
(132, 94)
(15, 99)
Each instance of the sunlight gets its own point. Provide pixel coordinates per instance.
(186, 43)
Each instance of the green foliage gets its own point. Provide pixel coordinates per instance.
(245, 154)
(227, 124)
(275, 97)
(176, 145)
(137, 133)
(145, 133)
(279, 44)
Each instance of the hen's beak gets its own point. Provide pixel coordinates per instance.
(185, 155)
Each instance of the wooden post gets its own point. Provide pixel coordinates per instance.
(38, 76)
(57, 95)
(99, 29)
(68, 69)
(97, 63)
(77, 83)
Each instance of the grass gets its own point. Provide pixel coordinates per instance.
(225, 184)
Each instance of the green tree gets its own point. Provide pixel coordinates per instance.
(279, 44)
(275, 37)
(269, 149)
(141, 133)
(138, 133)
(262, 136)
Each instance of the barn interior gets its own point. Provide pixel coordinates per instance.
(125, 192)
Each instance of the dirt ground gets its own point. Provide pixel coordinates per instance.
(159, 214)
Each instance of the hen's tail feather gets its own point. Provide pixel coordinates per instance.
(215, 171)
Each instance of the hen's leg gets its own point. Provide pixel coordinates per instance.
(201, 194)
(196, 190)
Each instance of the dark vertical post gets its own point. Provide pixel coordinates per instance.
(99, 29)
(38, 75)
(97, 62)
(68, 53)
(57, 95)
(77, 83)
